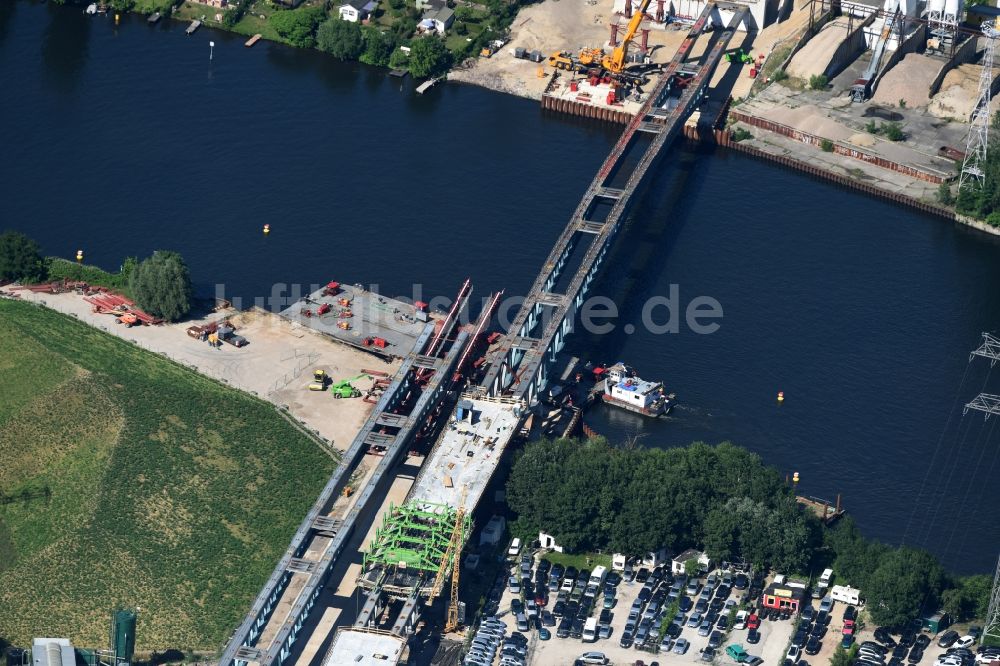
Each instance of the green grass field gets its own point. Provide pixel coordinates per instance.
(126, 479)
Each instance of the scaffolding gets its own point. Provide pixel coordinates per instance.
(415, 539)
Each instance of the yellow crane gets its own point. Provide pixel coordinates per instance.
(455, 548)
(616, 61)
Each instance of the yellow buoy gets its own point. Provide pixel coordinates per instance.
(79, 255)
(781, 396)
(117, 19)
(267, 228)
(795, 477)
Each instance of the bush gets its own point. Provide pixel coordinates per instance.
(341, 39)
(944, 194)
(20, 258)
(780, 75)
(740, 134)
(993, 219)
(893, 131)
(63, 269)
(161, 285)
(818, 82)
(399, 59)
(872, 128)
(826, 146)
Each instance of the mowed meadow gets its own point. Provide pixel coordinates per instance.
(128, 480)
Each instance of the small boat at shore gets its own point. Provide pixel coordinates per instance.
(624, 388)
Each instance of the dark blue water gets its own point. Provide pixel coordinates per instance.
(123, 141)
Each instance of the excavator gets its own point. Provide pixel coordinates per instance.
(592, 58)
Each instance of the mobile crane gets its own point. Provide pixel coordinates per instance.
(592, 58)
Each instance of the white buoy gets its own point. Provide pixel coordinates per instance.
(211, 50)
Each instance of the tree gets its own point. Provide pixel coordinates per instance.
(379, 46)
(341, 39)
(20, 258)
(969, 599)
(905, 581)
(161, 285)
(399, 59)
(944, 193)
(298, 26)
(429, 57)
(842, 657)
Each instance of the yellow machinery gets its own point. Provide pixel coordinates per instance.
(614, 63)
(455, 549)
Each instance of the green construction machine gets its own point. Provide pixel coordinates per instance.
(739, 55)
(344, 388)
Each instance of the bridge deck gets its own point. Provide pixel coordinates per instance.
(516, 369)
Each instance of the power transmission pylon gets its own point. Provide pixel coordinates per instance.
(989, 349)
(992, 628)
(987, 403)
(978, 141)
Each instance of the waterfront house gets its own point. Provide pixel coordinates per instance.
(357, 10)
(220, 4)
(438, 19)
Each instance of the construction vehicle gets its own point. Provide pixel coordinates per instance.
(320, 380)
(344, 388)
(614, 63)
(740, 56)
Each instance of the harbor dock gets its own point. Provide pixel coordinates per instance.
(191, 29)
(154, 18)
(253, 40)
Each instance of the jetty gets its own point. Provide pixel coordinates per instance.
(253, 40)
(193, 27)
(153, 18)
(427, 85)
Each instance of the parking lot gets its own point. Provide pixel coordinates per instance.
(775, 635)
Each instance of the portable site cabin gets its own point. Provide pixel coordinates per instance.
(937, 622)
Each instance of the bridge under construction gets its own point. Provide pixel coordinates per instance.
(419, 543)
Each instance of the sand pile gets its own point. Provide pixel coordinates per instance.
(910, 80)
(958, 94)
(863, 140)
(809, 119)
(813, 58)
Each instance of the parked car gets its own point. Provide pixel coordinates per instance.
(813, 645)
(626, 640)
(694, 620)
(740, 621)
(705, 628)
(737, 653)
(681, 646)
(826, 604)
(593, 658)
(793, 654)
(948, 639)
(850, 613)
(965, 641)
(916, 654)
(708, 655)
(753, 637)
(741, 582)
(715, 640)
(544, 634)
(883, 637)
(753, 622)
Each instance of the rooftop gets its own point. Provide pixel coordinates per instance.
(53, 652)
(467, 453)
(361, 647)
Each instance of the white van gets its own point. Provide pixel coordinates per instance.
(590, 630)
(822, 584)
(515, 548)
(597, 576)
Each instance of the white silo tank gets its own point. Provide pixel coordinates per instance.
(952, 8)
(909, 7)
(935, 6)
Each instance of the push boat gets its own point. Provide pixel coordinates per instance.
(622, 387)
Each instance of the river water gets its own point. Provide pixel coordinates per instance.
(120, 141)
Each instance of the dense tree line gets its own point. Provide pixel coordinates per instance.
(161, 284)
(590, 495)
(723, 499)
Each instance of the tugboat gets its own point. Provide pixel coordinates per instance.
(623, 388)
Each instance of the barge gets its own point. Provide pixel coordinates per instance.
(621, 387)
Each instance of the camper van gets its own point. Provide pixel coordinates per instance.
(823, 584)
(597, 576)
(515, 548)
(590, 630)
(845, 594)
